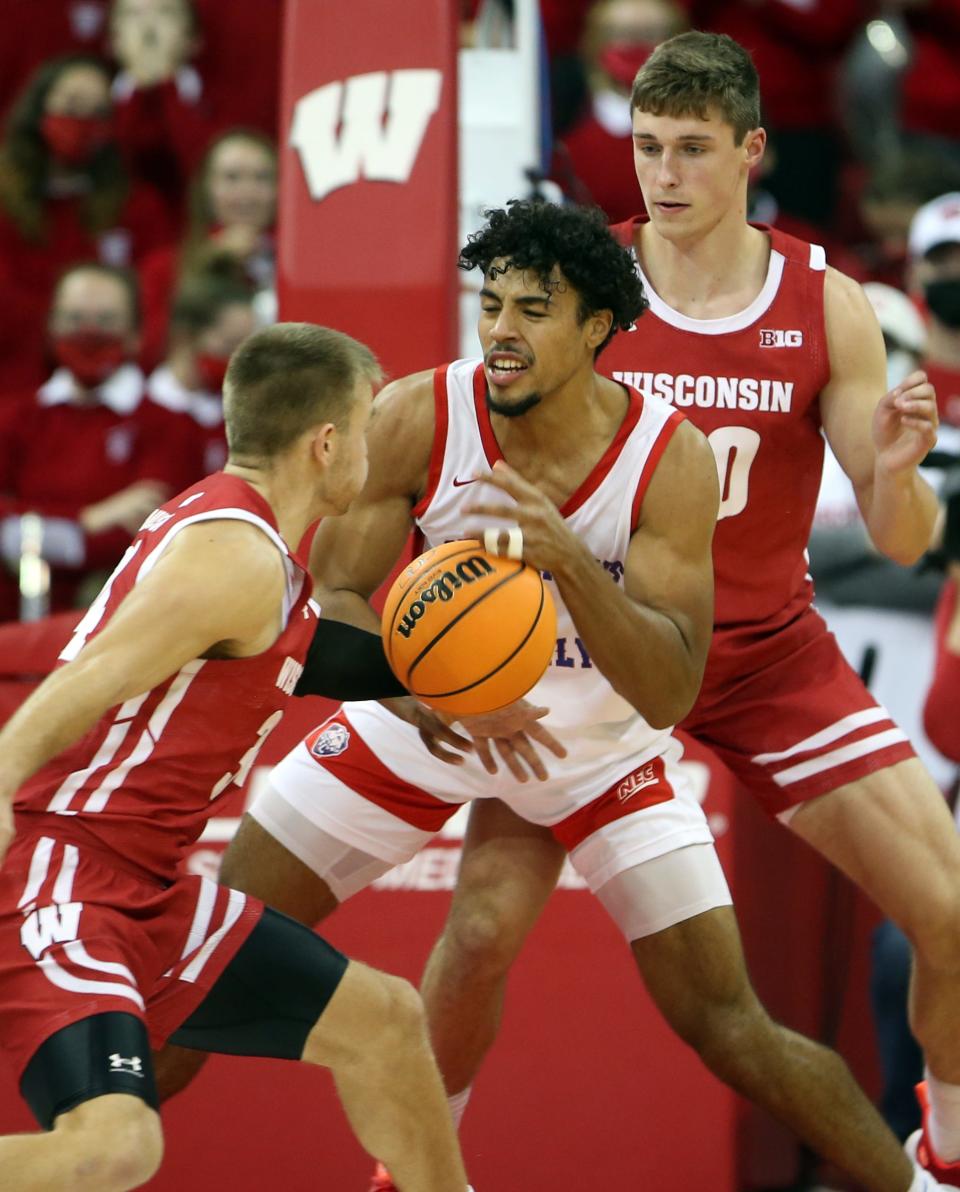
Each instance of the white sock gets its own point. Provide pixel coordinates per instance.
(944, 1118)
(923, 1181)
(458, 1105)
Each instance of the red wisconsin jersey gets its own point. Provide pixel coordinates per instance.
(750, 382)
(143, 781)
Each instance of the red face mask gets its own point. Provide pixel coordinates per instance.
(212, 370)
(91, 356)
(74, 140)
(622, 59)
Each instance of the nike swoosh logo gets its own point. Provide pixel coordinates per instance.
(458, 483)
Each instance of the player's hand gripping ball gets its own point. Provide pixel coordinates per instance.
(466, 631)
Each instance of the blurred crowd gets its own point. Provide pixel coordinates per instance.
(138, 186)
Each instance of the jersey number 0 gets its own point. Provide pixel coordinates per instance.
(734, 448)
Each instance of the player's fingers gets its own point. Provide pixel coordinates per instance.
(507, 542)
(450, 756)
(507, 513)
(505, 747)
(523, 748)
(484, 753)
(543, 736)
(445, 733)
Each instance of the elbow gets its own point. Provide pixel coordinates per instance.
(670, 706)
(904, 554)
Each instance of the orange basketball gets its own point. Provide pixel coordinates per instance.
(467, 631)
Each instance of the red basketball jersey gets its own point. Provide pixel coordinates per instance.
(143, 781)
(750, 382)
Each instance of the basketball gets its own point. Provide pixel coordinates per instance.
(466, 631)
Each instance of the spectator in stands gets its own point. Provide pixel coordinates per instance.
(895, 188)
(64, 196)
(233, 202)
(239, 61)
(46, 29)
(88, 451)
(931, 86)
(797, 49)
(934, 246)
(210, 318)
(164, 118)
(594, 161)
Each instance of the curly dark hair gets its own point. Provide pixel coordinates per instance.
(534, 234)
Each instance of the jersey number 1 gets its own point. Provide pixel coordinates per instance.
(734, 448)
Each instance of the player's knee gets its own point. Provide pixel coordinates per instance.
(386, 1022)
(141, 1148)
(724, 1028)
(125, 1142)
(482, 938)
(399, 1018)
(934, 928)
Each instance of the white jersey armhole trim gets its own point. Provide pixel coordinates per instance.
(744, 318)
(818, 257)
(292, 588)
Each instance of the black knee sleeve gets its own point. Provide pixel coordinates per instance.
(106, 1053)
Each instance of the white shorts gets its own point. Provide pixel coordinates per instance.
(336, 806)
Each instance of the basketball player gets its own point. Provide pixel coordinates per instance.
(172, 681)
(614, 496)
(761, 346)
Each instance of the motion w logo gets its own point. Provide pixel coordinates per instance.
(371, 126)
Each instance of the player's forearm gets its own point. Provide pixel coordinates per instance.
(65, 706)
(900, 514)
(639, 650)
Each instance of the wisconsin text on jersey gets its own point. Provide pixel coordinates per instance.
(722, 393)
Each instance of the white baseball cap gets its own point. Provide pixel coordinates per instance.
(898, 317)
(936, 222)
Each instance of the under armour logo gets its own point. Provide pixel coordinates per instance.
(120, 1063)
(372, 124)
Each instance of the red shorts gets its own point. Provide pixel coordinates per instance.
(80, 937)
(788, 715)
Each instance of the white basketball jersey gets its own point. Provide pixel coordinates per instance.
(603, 512)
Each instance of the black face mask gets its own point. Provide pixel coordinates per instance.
(943, 299)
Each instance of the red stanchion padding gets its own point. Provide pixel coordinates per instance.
(368, 177)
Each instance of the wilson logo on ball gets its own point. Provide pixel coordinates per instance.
(444, 587)
(467, 631)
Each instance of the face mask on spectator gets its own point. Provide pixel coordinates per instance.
(75, 139)
(943, 299)
(622, 59)
(91, 356)
(212, 370)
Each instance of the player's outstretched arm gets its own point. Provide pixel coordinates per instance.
(879, 437)
(650, 636)
(219, 585)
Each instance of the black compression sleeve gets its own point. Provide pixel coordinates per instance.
(346, 663)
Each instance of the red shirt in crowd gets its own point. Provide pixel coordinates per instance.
(29, 270)
(946, 381)
(35, 30)
(204, 412)
(931, 86)
(57, 457)
(795, 47)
